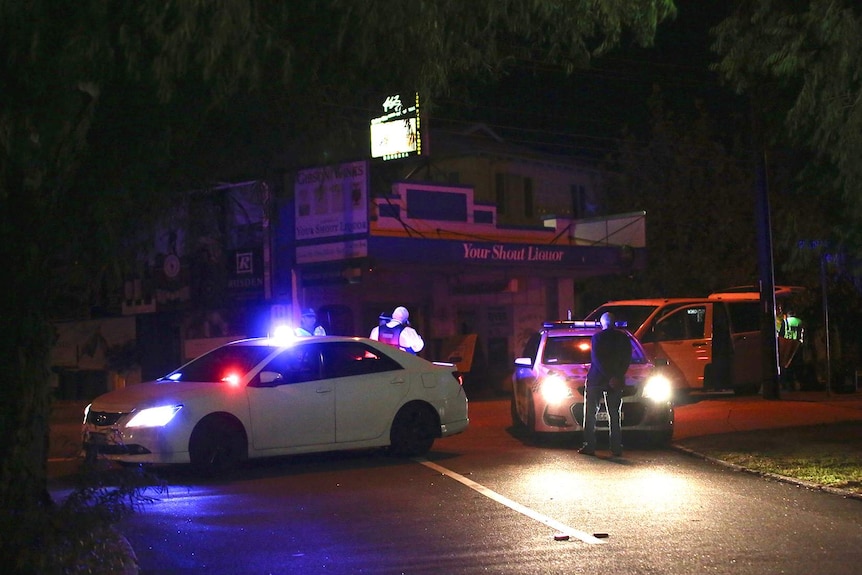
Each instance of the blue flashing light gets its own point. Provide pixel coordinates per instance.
(283, 333)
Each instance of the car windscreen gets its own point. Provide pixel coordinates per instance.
(222, 363)
(632, 315)
(564, 350)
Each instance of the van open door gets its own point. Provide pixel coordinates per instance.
(684, 337)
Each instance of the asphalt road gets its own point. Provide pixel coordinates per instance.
(490, 501)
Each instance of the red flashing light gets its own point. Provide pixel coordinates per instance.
(231, 379)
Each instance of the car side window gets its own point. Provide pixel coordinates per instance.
(349, 358)
(637, 355)
(686, 323)
(297, 364)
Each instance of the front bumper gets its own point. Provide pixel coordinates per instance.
(638, 414)
(145, 446)
(643, 415)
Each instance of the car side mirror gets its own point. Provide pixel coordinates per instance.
(271, 378)
(524, 361)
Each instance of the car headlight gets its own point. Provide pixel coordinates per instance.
(154, 416)
(555, 389)
(658, 388)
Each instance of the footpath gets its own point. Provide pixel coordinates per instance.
(715, 414)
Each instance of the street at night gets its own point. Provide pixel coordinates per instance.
(338, 287)
(491, 501)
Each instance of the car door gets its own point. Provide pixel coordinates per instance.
(524, 373)
(747, 343)
(295, 406)
(369, 388)
(684, 338)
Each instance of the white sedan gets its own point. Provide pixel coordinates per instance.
(266, 397)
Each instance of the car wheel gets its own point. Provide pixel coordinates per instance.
(217, 445)
(413, 431)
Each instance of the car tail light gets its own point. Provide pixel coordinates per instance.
(455, 373)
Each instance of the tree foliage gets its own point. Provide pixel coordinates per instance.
(107, 107)
(807, 56)
(799, 62)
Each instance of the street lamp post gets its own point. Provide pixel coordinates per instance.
(769, 364)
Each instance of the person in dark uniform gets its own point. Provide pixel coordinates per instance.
(611, 354)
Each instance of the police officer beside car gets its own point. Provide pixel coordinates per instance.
(397, 331)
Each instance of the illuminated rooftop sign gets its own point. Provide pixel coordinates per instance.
(397, 133)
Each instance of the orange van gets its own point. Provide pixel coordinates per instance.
(712, 343)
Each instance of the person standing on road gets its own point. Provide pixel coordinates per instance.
(397, 331)
(611, 354)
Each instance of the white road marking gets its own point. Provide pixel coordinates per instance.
(514, 505)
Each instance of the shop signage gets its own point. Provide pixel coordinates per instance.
(506, 253)
(331, 201)
(511, 253)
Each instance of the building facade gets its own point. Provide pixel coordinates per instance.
(481, 241)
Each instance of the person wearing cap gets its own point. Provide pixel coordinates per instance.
(397, 331)
(308, 324)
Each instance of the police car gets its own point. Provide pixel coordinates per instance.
(276, 396)
(550, 375)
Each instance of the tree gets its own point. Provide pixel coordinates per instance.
(109, 107)
(696, 191)
(800, 62)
